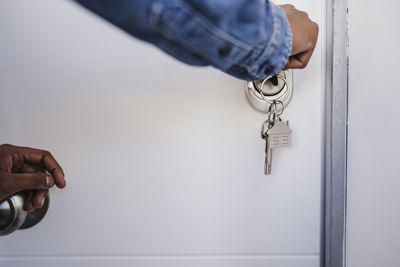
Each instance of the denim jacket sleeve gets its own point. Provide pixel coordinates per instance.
(249, 39)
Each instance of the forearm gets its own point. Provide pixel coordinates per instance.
(249, 39)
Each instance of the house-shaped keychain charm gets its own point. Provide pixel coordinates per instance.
(279, 135)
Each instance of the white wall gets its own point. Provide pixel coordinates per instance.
(373, 223)
(164, 162)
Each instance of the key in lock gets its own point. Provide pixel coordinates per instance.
(262, 93)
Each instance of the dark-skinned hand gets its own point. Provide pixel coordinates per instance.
(29, 170)
(304, 37)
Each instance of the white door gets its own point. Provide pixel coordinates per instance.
(164, 162)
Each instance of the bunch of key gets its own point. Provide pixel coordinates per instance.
(275, 132)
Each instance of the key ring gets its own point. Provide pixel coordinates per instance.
(270, 125)
(275, 113)
(286, 83)
(272, 116)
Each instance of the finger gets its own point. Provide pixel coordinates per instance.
(306, 56)
(28, 205)
(38, 198)
(32, 168)
(287, 5)
(299, 61)
(15, 182)
(36, 156)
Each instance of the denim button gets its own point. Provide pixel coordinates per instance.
(224, 50)
(238, 70)
(262, 65)
(268, 70)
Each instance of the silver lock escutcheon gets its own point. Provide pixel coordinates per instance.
(262, 93)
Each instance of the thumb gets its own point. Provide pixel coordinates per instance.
(15, 182)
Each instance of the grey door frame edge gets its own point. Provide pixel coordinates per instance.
(333, 245)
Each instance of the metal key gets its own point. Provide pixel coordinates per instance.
(268, 150)
(268, 157)
(277, 134)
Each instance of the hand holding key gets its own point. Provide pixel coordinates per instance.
(304, 37)
(276, 133)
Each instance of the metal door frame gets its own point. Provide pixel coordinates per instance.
(333, 243)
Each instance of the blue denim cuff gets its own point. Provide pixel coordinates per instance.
(246, 59)
(276, 53)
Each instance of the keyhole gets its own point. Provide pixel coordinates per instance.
(274, 80)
